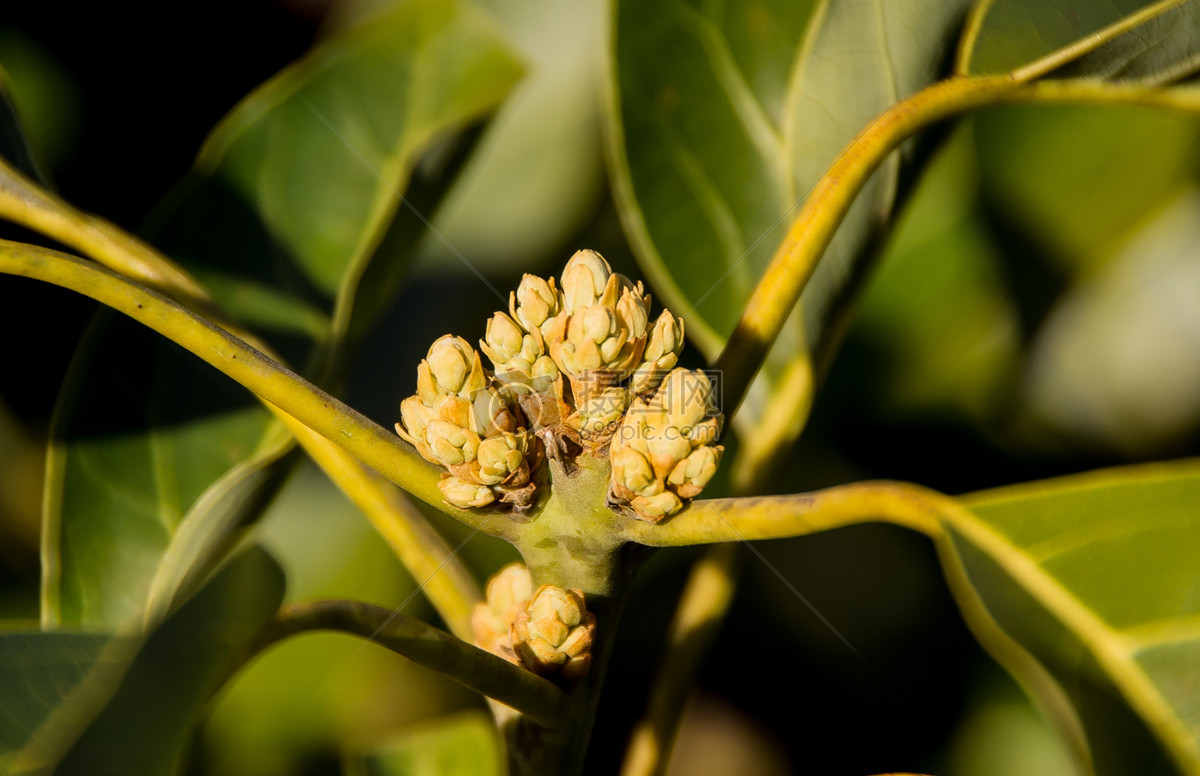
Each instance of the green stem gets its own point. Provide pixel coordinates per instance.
(273, 383)
(797, 256)
(537, 698)
(24, 202)
(446, 581)
(781, 517)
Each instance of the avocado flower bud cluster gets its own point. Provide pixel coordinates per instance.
(460, 420)
(548, 631)
(575, 361)
(665, 450)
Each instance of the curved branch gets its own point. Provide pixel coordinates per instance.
(525, 691)
(24, 202)
(446, 582)
(780, 517)
(795, 260)
(383, 451)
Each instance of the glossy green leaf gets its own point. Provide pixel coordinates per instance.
(294, 207)
(38, 671)
(1115, 40)
(90, 703)
(1007, 34)
(466, 745)
(722, 116)
(1096, 576)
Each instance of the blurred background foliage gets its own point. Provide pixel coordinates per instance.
(1034, 314)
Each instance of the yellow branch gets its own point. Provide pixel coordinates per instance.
(796, 258)
(266, 378)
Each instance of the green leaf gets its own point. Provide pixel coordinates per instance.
(1113, 40)
(1006, 34)
(466, 745)
(1095, 575)
(721, 117)
(37, 672)
(92, 703)
(294, 205)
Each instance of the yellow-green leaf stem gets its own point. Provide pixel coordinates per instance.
(448, 584)
(797, 256)
(475, 668)
(25, 203)
(752, 518)
(265, 377)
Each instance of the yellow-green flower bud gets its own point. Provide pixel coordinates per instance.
(554, 633)
(534, 303)
(416, 417)
(687, 397)
(632, 474)
(662, 353)
(465, 494)
(600, 413)
(691, 474)
(656, 507)
(593, 337)
(500, 456)
(451, 445)
(508, 592)
(451, 368)
(584, 280)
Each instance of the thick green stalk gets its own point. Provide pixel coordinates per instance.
(537, 698)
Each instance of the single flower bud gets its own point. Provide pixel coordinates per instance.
(534, 302)
(451, 445)
(505, 341)
(501, 456)
(451, 368)
(663, 347)
(584, 280)
(554, 633)
(600, 414)
(655, 508)
(632, 474)
(465, 494)
(508, 592)
(415, 418)
(691, 474)
(687, 396)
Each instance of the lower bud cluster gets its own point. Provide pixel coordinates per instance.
(548, 630)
